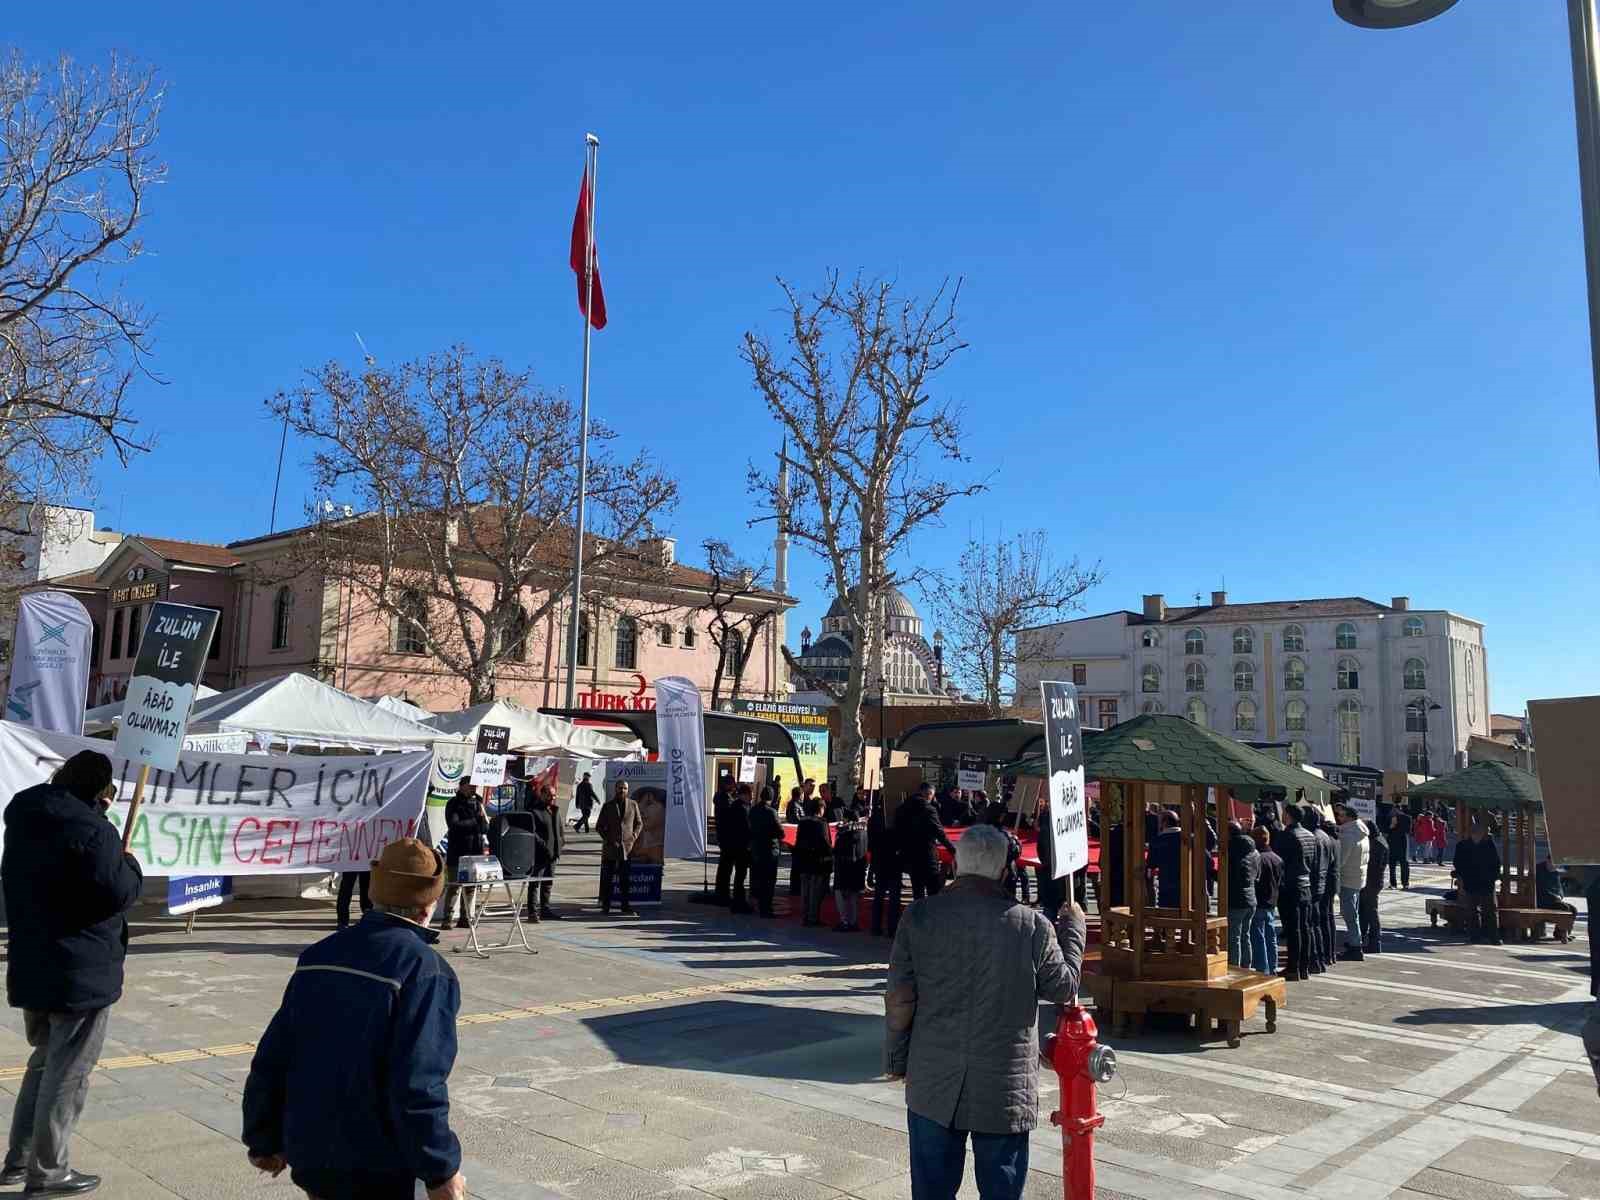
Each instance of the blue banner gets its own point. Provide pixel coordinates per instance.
(185, 893)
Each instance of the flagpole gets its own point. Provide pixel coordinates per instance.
(591, 170)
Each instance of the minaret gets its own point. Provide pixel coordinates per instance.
(780, 580)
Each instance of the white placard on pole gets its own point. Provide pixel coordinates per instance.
(1069, 820)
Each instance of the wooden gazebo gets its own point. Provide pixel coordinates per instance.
(1513, 794)
(1176, 959)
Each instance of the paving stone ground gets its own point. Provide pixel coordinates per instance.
(696, 1053)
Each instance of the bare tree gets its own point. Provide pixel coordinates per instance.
(465, 475)
(735, 626)
(76, 163)
(998, 588)
(849, 380)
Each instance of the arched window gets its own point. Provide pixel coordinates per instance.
(1294, 639)
(1150, 678)
(410, 626)
(664, 634)
(1350, 732)
(1417, 715)
(1413, 627)
(516, 643)
(688, 637)
(1244, 716)
(282, 614)
(1416, 758)
(1195, 710)
(1347, 678)
(1194, 642)
(1244, 641)
(1344, 637)
(1294, 716)
(1194, 677)
(627, 644)
(733, 651)
(1299, 753)
(1150, 639)
(1152, 706)
(1244, 677)
(1416, 675)
(583, 639)
(1294, 675)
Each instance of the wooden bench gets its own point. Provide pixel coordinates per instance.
(1227, 1001)
(1525, 924)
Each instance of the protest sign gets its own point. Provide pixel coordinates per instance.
(1563, 732)
(489, 757)
(172, 657)
(747, 760)
(190, 893)
(970, 775)
(1069, 822)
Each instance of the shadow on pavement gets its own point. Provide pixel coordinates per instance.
(1551, 1016)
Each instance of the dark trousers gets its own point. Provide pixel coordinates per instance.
(939, 1157)
(889, 893)
(1292, 913)
(54, 1087)
(763, 881)
(1371, 931)
(581, 825)
(539, 893)
(353, 1185)
(1052, 895)
(1483, 919)
(724, 874)
(1398, 862)
(732, 889)
(813, 890)
(1330, 928)
(926, 882)
(620, 871)
(348, 882)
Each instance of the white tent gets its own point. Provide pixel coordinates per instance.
(297, 710)
(103, 718)
(535, 733)
(400, 706)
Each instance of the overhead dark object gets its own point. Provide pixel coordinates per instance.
(724, 731)
(1389, 14)
(998, 740)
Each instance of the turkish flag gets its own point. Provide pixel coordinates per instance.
(580, 243)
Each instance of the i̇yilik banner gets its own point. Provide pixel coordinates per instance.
(681, 733)
(243, 814)
(50, 663)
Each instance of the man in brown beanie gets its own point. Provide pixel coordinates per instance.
(348, 1086)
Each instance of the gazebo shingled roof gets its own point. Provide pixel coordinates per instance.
(1484, 785)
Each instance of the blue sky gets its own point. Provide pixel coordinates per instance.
(1250, 293)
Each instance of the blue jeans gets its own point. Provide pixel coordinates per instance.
(1239, 923)
(939, 1156)
(1350, 910)
(1264, 941)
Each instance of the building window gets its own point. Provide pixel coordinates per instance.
(663, 634)
(1294, 639)
(1150, 678)
(1194, 642)
(627, 644)
(1348, 676)
(1294, 675)
(1472, 687)
(1294, 716)
(133, 632)
(1080, 674)
(1244, 677)
(1344, 637)
(1244, 716)
(282, 614)
(1350, 732)
(1244, 641)
(1194, 677)
(1195, 710)
(1416, 675)
(410, 627)
(1416, 758)
(1299, 753)
(1151, 707)
(1412, 628)
(116, 634)
(214, 652)
(583, 639)
(733, 651)
(1108, 712)
(1417, 715)
(688, 637)
(1150, 639)
(516, 643)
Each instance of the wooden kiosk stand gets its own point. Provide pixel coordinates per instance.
(1512, 795)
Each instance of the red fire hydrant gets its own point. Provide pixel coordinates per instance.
(1082, 1063)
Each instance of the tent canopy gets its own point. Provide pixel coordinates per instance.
(297, 709)
(536, 733)
(1484, 785)
(104, 718)
(724, 732)
(999, 740)
(400, 706)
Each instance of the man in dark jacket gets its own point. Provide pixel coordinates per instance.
(887, 884)
(1377, 858)
(1269, 887)
(1166, 860)
(1324, 888)
(467, 825)
(1399, 846)
(619, 825)
(1478, 870)
(918, 832)
(1244, 869)
(720, 803)
(1297, 847)
(348, 1087)
(733, 848)
(766, 843)
(585, 800)
(962, 1011)
(549, 839)
(67, 885)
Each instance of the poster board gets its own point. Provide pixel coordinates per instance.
(172, 657)
(970, 774)
(1564, 736)
(490, 754)
(1069, 817)
(647, 784)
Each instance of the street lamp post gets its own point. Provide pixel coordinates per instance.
(1583, 31)
(1426, 722)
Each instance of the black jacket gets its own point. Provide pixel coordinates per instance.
(1377, 860)
(1297, 847)
(721, 802)
(918, 832)
(881, 844)
(812, 853)
(850, 857)
(586, 797)
(67, 884)
(1166, 855)
(1269, 880)
(1399, 825)
(766, 833)
(463, 817)
(548, 837)
(733, 830)
(1244, 869)
(1477, 866)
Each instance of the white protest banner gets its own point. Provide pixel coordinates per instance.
(242, 814)
(489, 758)
(970, 775)
(680, 731)
(172, 657)
(50, 663)
(1069, 822)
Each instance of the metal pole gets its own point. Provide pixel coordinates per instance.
(283, 440)
(1582, 22)
(591, 170)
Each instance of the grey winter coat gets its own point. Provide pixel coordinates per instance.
(969, 968)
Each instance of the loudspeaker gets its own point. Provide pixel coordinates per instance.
(517, 848)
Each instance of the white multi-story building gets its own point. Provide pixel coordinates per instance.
(1344, 681)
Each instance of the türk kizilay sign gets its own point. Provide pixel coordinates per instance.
(172, 657)
(1069, 822)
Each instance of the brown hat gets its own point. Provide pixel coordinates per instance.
(409, 874)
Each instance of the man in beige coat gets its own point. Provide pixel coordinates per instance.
(618, 825)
